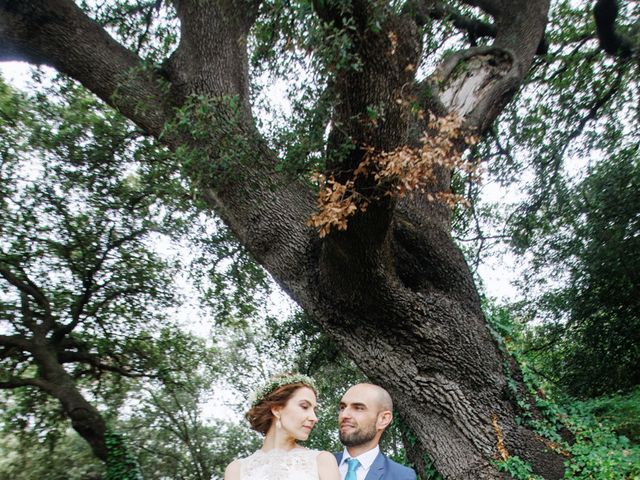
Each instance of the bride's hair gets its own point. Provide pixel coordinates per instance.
(260, 416)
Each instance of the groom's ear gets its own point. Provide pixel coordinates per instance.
(384, 419)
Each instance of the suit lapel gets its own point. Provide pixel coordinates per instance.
(377, 468)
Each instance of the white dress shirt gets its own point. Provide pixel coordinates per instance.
(365, 459)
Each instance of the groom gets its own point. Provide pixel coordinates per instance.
(366, 410)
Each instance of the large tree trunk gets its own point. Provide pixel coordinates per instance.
(85, 419)
(393, 290)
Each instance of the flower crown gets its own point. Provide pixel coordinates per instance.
(276, 382)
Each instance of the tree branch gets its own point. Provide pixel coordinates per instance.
(94, 361)
(26, 313)
(148, 20)
(495, 8)
(25, 382)
(15, 341)
(592, 113)
(424, 10)
(521, 28)
(25, 285)
(90, 287)
(613, 42)
(60, 34)
(482, 237)
(476, 83)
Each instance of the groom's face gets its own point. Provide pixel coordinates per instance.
(358, 417)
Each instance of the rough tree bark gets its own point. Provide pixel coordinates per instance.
(393, 290)
(52, 378)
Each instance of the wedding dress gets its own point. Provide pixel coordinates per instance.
(296, 464)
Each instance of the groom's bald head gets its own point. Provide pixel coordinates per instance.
(376, 397)
(383, 399)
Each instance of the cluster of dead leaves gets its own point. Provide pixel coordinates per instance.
(336, 202)
(400, 172)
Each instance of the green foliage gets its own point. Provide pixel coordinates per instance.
(621, 412)
(602, 427)
(591, 344)
(517, 468)
(598, 451)
(232, 285)
(120, 463)
(210, 121)
(76, 220)
(66, 457)
(172, 438)
(83, 201)
(149, 28)
(288, 31)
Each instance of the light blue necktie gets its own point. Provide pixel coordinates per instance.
(353, 466)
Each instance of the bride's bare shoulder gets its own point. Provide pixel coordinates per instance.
(327, 466)
(232, 472)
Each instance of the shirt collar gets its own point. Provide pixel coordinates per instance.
(366, 459)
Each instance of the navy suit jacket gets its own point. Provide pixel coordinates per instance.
(384, 468)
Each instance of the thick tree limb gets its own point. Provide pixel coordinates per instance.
(477, 93)
(475, 84)
(424, 10)
(15, 341)
(58, 33)
(25, 382)
(212, 55)
(612, 41)
(521, 26)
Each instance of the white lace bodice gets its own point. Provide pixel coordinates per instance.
(297, 464)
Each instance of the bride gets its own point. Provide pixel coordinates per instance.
(283, 410)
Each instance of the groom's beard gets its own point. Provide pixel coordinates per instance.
(357, 437)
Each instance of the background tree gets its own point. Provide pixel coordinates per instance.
(571, 156)
(72, 458)
(82, 293)
(590, 344)
(84, 231)
(395, 275)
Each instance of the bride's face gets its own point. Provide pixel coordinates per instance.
(298, 416)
